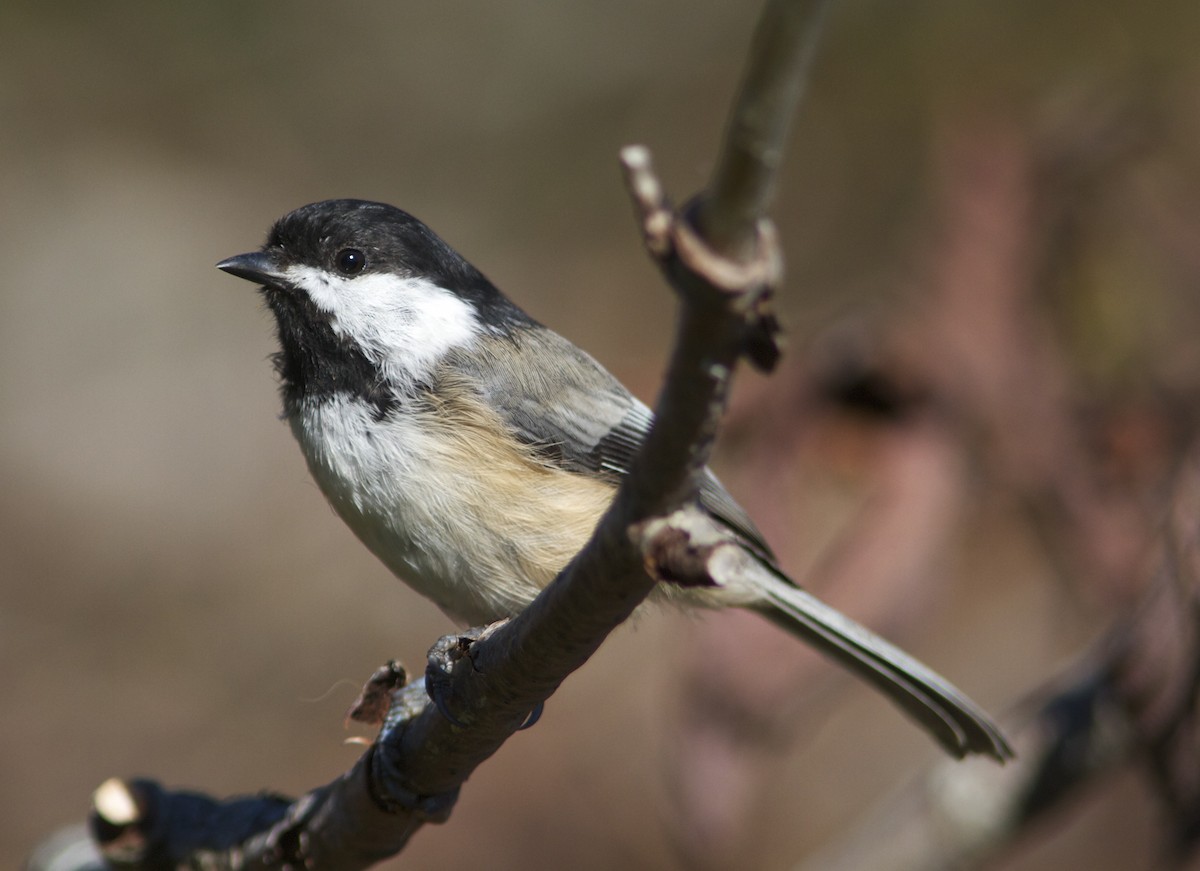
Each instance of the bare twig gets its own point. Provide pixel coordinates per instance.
(1132, 698)
(743, 182)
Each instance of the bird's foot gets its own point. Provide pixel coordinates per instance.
(445, 655)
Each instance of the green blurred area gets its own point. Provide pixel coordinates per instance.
(175, 598)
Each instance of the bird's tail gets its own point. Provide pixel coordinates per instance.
(954, 720)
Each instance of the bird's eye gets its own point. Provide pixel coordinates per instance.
(350, 261)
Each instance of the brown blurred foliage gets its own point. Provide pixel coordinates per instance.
(175, 598)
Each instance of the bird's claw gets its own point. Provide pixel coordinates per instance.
(534, 716)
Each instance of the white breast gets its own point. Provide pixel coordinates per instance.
(474, 523)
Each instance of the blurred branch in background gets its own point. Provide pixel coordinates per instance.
(1129, 700)
(747, 693)
(976, 377)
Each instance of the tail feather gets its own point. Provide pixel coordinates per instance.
(957, 723)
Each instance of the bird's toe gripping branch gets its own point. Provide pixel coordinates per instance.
(446, 653)
(389, 700)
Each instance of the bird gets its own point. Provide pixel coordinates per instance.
(473, 450)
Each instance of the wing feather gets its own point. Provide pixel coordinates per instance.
(578, 415)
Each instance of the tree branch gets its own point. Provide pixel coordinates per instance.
(743, 183)
(1131, 697)
(1134, 697)
(724, 270)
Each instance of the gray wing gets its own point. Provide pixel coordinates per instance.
(579, 416)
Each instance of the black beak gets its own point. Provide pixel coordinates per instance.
(256, 266)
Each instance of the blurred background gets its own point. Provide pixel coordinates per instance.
(176, 599)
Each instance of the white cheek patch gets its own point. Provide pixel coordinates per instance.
(403, 325)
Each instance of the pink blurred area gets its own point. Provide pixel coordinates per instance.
(177, 601)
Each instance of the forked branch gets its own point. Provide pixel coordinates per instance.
(723, 262)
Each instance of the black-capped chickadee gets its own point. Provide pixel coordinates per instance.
(473, 450)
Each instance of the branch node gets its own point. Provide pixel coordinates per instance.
(701, 274)
(707, 276)
(385, 783)
(744, 283)
(678, 549)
